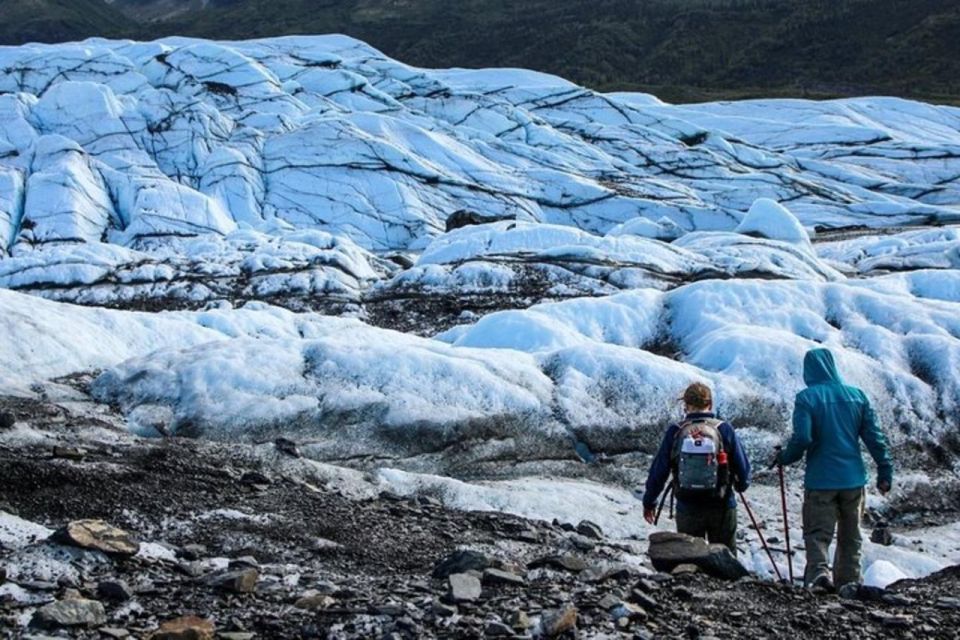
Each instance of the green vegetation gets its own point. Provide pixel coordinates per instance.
(679, 49)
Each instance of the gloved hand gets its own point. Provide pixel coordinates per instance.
(883, 487)
(649, 515)
(775, 459)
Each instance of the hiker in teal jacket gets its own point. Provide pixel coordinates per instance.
(830, 419)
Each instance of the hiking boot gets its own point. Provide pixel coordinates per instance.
(823, 584)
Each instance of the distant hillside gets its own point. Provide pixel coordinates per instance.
(679, 49)
(59, 20)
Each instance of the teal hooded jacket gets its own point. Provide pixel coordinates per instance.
(829, 421)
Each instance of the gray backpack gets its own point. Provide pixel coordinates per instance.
(696, 460)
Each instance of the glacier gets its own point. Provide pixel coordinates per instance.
(486, 284)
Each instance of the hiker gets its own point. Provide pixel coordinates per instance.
(704, 456)
(829, 421)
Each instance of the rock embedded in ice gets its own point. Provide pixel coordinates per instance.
(770, 219)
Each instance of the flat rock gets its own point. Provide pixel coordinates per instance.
(77, 612)
(239, 581)
(668, 550)
(500, 577)
(97, 535)
(463, 587)
(114, 632)
(564, 562)
(69, 453)
(314, 602)
(185, 628)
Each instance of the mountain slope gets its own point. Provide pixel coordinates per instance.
(59, 20)
(680, 50)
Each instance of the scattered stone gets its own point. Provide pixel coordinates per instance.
(948, 603)
(464, 587)
(619, 571)
(461, 562)
(313, 602)
(685, 569)
(519, 620)
(288, 447)
(114, 590)
(892, 621)
(608, 602)
(255, 478)
(559, 621)
(192, 552)
(239, 581)
(647, 585)
(496, 629)
(97, 535)
(629, 611)
(668, 550)
(185, 628)
(244, 562)
(590, 530)
(443, 610)
(500, 577)
(881, 534)
(643, 600)
(682, 593)
(75, 612)
(564, 562)
(69, 453)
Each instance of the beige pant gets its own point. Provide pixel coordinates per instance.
(824, 511)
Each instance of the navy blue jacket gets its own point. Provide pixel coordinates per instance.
(661, 467)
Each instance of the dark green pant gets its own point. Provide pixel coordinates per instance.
(824, 511)
(715, 523)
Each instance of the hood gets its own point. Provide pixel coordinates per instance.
(819, 367)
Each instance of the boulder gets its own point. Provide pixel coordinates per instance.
(77, 612)
(464, 587)
(97, 535)
(669, 550)
(185, 628)
(519, 620)
(461, 562)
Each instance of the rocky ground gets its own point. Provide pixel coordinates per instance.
(255, 542)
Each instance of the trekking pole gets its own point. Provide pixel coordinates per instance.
(786, 526)
(663, 500)
(763, 540)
